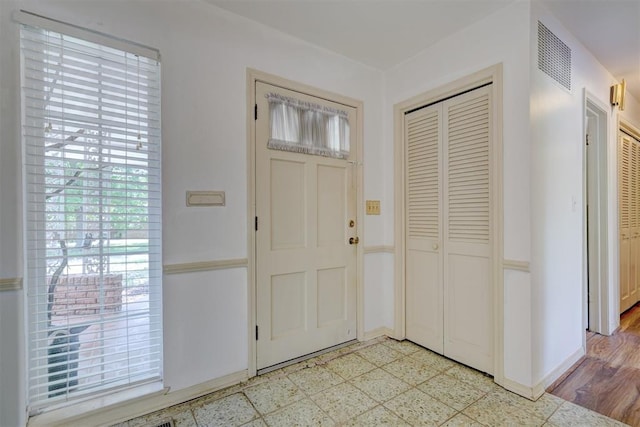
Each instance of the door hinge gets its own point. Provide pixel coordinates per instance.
(256, 223)
(255, 112)
(587, 138)
(256, 332)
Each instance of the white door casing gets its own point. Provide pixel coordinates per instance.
(305, 266)
(596, 252)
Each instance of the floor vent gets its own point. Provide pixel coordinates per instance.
(164, 423)
(554, 57)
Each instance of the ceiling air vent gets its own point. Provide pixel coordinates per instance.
(554, 57)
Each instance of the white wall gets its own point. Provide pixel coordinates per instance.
(205, 53)
(557, 130)
(500, 38)
(378, 300)
(631, 111)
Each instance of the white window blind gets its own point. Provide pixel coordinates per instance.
(91, 132)
(305, 127)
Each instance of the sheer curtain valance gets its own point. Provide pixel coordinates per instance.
(304, 127)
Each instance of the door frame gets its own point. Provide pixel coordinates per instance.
(492, 75)
(596, 314)
(254, 76)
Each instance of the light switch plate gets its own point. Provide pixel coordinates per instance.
(205, 198)
(373, 207)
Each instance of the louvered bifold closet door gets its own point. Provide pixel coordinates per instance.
(468, 296)
(423, 159)
(627, 212)
(634, 204)
(634, 250)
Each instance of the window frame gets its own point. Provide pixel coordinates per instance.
(38, 262)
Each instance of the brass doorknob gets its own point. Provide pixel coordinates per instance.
(354, 240)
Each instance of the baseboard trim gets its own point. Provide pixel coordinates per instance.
(113, 414)
(381, 249)
(533, 393)
(527, 392)
(11, 284)
(552, 376)
(378, 332)
(191, 267)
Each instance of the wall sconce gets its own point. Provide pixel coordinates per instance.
(617, 95)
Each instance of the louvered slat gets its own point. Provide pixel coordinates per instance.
(422, 176)
(468, 170)
(624, 168)
(634, 183)
(633, 188)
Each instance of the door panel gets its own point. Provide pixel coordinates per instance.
(424, 323)
(423, 235)
(332, 296)
(634, 246)
(332, 195)
(288, 210)
(468, 294)
(449, 293)
(288, 304)
(629, 211)
(468, 323)
(305, 266)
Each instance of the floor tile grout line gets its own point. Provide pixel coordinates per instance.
(260, 414)
(309, 395)
(192, 405)
(349, 381)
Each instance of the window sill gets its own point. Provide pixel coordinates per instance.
(77, 414)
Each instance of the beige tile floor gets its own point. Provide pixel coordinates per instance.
(376, 383)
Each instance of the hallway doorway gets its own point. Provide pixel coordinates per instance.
(597, 283)
(606, 380)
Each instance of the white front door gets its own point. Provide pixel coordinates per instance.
(305, 263)
(449, 294)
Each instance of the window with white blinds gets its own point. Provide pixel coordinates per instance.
(91, 133)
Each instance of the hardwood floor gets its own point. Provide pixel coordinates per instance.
(607, 379)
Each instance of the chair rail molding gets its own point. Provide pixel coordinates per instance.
(379, 249)
(192, 267)
(511, 264)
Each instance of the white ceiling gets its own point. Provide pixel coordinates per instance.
(384, 33)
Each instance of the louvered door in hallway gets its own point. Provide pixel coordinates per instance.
(629, 208)
(449, 298)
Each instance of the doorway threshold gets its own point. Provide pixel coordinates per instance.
(305, 357)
